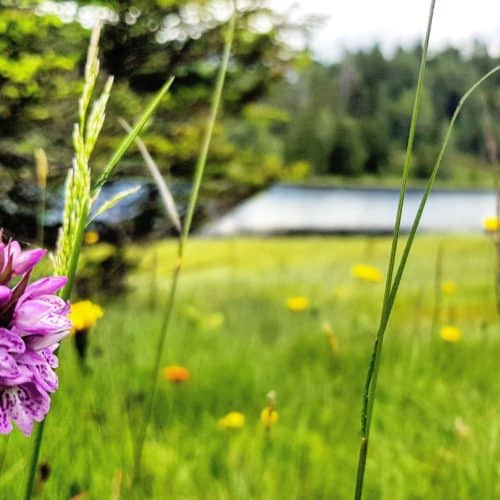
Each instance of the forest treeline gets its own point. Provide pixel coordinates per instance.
(285, 115)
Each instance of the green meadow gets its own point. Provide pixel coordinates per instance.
(436, 422)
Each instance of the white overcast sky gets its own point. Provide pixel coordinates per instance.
(352, 24)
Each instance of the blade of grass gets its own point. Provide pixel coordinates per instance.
(166, 195)
(42, 170)
(107, 205)
(200, 168)
(129, 139)
(366, 412)
(430, 184)
(78, 196)
(375, 363)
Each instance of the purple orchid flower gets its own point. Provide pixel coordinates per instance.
(16, 262)
(32, 323)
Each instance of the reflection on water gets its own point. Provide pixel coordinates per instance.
(289, 209)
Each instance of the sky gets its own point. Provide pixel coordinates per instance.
(353, 24)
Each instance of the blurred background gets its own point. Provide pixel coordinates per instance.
(309, 142)
(318, 93)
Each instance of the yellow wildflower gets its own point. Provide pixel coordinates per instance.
(450, 333)
(268, 416)
(366, 273)
(233, 420)
(449, 287)
(91, 237)
(84, 315)
(176, 373)
(491, 224)
(297, 304)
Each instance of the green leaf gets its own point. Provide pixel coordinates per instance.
(127, 141)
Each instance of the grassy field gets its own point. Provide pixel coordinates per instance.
(436, 423)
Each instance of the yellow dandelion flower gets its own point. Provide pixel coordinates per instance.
(268, 416)
(449, 287)
(297, 304)
(233, 420)
(91, 237)
(491, 224)
(84, 315)
(366, 273)
(450, 334)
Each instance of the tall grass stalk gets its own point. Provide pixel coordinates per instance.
(198, 177)
(42, 170)
(492, 153)
(438, 278)
(375, 360)
(79, 194)
(369, 397)
(393, 287)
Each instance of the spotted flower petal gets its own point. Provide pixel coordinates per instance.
(46, 314)
(43, 375)
(11, 341)
(8, 365)
(23, 404)
(34, 321)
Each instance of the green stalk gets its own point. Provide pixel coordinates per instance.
(65, 294)
(430, 183)
(129, 139)
(438, 273)
(372, 368)
(82, 155)
(34, 460)
(41, 216)
(409, 152)
(407, 162)
(198, 177)
(371, 386)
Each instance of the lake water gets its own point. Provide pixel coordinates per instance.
(286, 209)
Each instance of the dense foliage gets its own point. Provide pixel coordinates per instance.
(143, 43)
(352, 117)
(285, 115)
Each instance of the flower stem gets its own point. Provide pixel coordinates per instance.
(4, 452)
(78, 203)
(34, 460)
(198, 177)
(41, 427)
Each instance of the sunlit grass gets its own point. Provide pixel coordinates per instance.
(426, 387)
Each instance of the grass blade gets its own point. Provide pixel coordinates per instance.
(375, 359)
(127, 141)
(166, 195)
(200, 168)
(113, 201)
